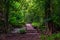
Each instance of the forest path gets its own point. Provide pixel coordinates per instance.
(31, 34)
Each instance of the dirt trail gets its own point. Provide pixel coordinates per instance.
(32, 35)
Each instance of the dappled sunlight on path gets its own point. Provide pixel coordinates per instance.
(29, 27)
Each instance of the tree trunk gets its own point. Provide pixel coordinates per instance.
(6, 16)
(48, 13)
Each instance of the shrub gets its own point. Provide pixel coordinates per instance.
(22, 31)
(51, 37)
(35, 24)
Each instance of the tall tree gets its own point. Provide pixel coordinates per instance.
(6, 8)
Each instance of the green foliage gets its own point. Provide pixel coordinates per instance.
(54, 37)
(56, 13)
(43, 37)
(26, 11)
(51, 37)
(22, 11)
(22, 31)
(42, 28)
(16, 16)
(36, 24)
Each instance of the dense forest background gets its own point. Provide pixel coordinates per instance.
(40, 13)
(28, 11)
